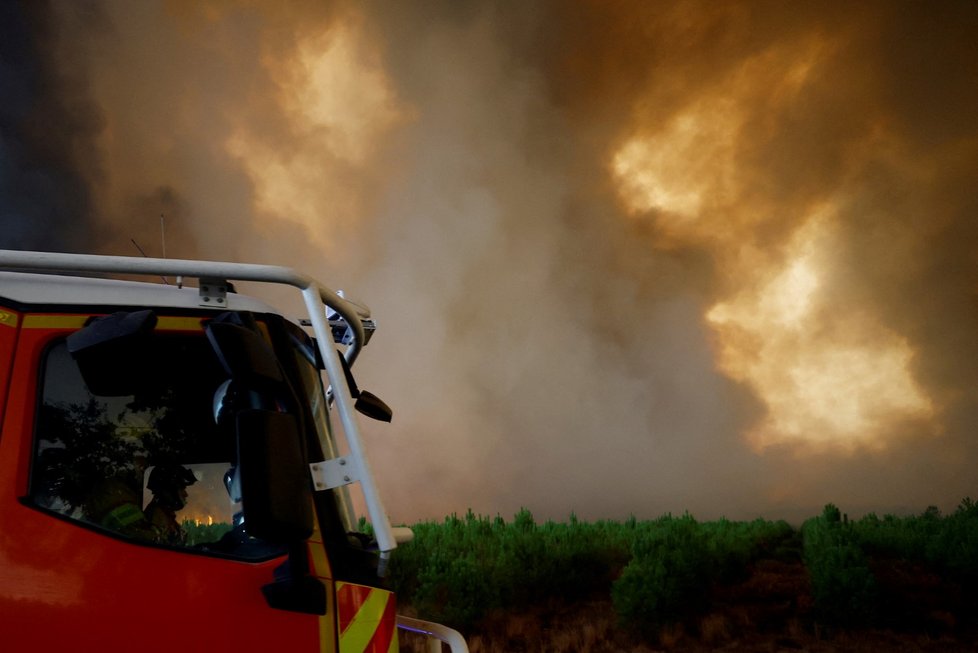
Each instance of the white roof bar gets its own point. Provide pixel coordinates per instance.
(352, 312)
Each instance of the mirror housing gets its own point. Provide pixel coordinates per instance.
(373, 406)
(276, 490)
(112, 353)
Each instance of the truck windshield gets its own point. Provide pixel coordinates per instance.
(152, 466)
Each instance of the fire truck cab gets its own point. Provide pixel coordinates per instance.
(175, 464)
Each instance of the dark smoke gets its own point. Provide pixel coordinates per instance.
(542, 343)
(47, 130)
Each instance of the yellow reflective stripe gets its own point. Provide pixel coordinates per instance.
(123, 516)
(165, 323)
(179, 323)
(317, 551)
(322, 570)
(320, 563)
(327, 633)
(54, 321)
(8, 319)
(360, 630)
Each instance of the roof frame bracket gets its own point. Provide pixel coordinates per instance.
(213, 292)
(334, 473)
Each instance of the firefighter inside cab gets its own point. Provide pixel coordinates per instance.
(169, 484)
(117, 505)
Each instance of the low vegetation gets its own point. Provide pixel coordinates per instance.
(650, 578)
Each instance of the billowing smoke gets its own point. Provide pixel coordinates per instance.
(48, 127)
(627, 258)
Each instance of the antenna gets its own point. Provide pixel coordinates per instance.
(133, 241)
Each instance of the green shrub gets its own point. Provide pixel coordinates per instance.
(668, 577)
(459, 570)
(843, 587)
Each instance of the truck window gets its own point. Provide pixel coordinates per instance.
(153, 466)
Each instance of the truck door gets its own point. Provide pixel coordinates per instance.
(119, 526)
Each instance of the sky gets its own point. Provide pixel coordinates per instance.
(627, 258)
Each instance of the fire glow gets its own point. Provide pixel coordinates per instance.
(336, 103)
(826, 379)
(828, 375)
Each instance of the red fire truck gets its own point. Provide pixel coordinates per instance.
(176, 461)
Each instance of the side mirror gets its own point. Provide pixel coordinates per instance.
(373, 407)
(366, 402)
(276, 492)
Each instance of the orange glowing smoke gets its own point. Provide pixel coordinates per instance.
(795, 215)
(336, 103)
(826, 378)
(828, 375)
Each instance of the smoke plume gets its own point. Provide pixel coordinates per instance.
(626, 257)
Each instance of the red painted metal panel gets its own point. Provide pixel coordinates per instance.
(64, 586)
